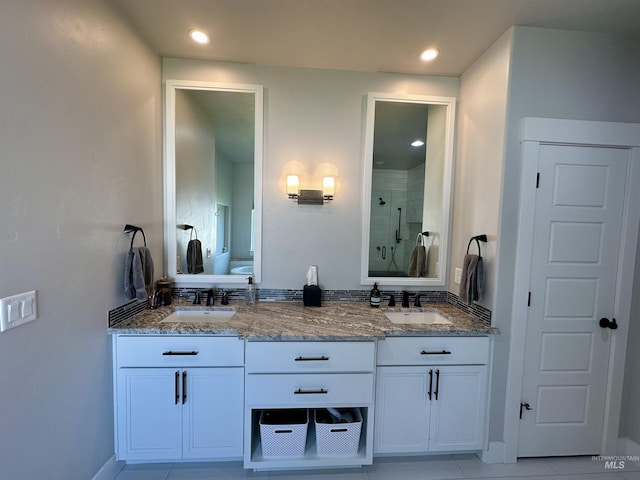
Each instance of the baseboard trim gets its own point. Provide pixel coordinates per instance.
(629, 448)
(493, 454)
(109, 470)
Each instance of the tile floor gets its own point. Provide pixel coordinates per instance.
(448, 467)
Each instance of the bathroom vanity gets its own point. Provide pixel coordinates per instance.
(196, 387)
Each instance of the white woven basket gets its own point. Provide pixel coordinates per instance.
(339, 439)
(283, 439)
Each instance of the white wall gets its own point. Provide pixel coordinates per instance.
(630, 418)
(478, 185)
(195, 178)
(80, 157)
(314, 124)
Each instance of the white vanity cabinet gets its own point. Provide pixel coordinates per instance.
(308, 375)
(431, 394)
(178, 397)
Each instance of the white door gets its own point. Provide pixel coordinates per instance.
(213, 412)
(149, 414)
(458, 408)
(402, 410)
(576, 242)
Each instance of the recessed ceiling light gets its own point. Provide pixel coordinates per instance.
(429, 54)
(417, 143)
(199, 36)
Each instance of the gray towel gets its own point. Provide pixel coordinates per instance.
(194, 257)
(418, 262)
(138, 274)
(472, 280)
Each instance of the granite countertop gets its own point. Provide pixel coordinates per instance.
(291, 321)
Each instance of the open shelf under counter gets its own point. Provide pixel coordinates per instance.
(255, 460)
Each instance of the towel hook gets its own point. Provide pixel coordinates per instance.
(478, 239)
(132, 228)
(419, 237)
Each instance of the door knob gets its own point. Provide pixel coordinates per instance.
(606, 323)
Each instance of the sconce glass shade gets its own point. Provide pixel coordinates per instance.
(328, 187)
(293, 185)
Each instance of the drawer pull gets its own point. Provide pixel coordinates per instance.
(443, 352)
(339, 430)
(170, 352)
(311, 359)
(283, 431)
(311, 392)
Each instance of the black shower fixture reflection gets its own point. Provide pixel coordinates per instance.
(382, 202)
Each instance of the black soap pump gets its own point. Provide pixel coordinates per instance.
(374, 296)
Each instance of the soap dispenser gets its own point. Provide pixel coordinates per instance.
(374, 296)
(250, 293)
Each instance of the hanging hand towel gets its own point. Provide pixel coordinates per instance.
(472, 279)
(194, 255)
(138, 274)
(418, 262)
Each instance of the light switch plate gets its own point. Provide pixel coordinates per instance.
(17, 310)
(458, 277)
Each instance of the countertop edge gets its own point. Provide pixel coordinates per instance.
(288, 321)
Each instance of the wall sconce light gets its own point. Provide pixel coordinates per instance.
(310, 197)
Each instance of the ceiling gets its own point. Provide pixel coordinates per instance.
(362, 35)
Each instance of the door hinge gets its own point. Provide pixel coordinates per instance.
(529, 300)
(538, 180)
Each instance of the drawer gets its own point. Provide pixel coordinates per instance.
(433, 351)
(318, 389)
(293, 357)
(178, 351)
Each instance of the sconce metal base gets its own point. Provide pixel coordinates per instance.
(310, 197)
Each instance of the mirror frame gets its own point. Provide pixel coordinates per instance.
(169, 180)
(447, 183)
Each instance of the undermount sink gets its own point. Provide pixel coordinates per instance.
(420, 318)
(200, 316)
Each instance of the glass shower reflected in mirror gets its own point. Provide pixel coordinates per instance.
(408, 162)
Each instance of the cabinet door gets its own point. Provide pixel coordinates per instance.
(402, 410)
(458, 413)
(212, 412)
(149, 414)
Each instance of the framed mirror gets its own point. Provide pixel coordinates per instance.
(408, 164)
(212, 181)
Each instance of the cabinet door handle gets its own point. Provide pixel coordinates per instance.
(184, 387)
(430, 383)
(310, 392)
(170, 352)
(311, 359)
(443, 352)
(177, 387)
(437, 384)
